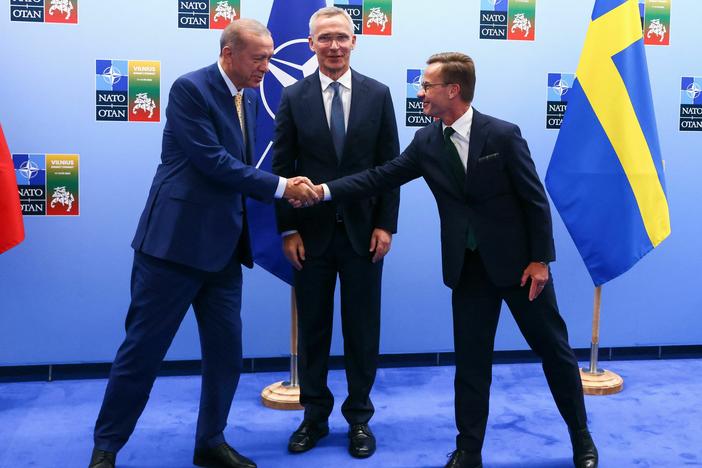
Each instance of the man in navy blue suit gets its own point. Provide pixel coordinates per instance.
(496, 243)
(335, 122)
(190, 243)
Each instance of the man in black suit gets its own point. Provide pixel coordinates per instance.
(496, 242)
(333, 123)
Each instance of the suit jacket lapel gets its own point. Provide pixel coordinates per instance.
(226, 101)
(478, 137)
(250, 122)
(359, 99)
(438, 149)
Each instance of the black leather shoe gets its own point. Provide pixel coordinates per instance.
(462, 459)
(223, 456)
(584, 450)
(102, 459)
(361, 441)
(306, 436)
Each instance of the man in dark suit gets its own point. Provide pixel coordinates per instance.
(190, 243)
(496, 242)
(333, 123)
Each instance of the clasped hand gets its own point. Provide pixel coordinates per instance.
(301, 192)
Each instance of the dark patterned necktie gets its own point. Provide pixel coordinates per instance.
(336, 121)
(460, 174)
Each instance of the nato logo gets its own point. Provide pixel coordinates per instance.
(30, 172)
(27, 10)
(111, 90)
(691, 104)
(559, 84)
(493, 19)
(355, 11)
(513, 20)
(44, 11)
(414, 114)
(207, 14)
(195, 15)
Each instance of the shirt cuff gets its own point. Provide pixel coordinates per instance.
(288, 233)
(282, 183)
(327, 193)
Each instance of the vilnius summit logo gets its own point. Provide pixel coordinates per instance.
(655, 21)
(48, 183)
(128, 90)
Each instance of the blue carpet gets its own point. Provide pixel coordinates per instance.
(655, 422)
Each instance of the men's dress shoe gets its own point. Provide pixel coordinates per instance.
(306, 436)
(102, 459)
(462, 459)
(584, 450)
(362, 441)
(223, 456)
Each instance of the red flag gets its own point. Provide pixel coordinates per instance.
(11, 225)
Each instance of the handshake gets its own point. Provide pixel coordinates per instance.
(301, 192)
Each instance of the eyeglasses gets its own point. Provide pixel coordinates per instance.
(328, 39)
(425, 85)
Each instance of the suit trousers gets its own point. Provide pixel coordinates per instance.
(161, 293)
(360, 281)
(476, 310)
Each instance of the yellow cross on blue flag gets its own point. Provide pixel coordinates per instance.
(606, 175)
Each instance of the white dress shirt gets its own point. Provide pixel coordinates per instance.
(328, 94)
(282, 181)
(461, 136)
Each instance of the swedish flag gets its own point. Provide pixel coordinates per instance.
(606, 174)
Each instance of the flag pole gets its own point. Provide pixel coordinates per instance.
(598, 381)
(285, 395)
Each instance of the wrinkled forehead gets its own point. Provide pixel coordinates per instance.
(256, 43)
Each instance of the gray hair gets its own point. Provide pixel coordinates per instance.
(232, 34)
(328, 12)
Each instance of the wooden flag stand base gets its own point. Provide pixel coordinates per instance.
(598, 381)
(602, 383)
(282, 396)
(285, 395)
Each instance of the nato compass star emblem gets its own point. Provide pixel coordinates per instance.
(112, 75)
(693, 90)
(417, 82)
(560, 87)
(29, 169)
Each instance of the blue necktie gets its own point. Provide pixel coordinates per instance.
(336, 121)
